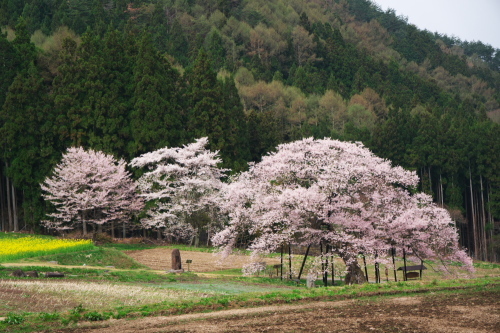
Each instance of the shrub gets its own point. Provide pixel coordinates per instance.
(95, 316)
(14, 319)
(49, 316)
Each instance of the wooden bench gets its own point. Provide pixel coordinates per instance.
(412, 275)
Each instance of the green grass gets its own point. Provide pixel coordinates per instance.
(135, 276)
(14, 235)
(101, 256)
(224, 287)
(228, 272)
(128, 247)
(486, 265)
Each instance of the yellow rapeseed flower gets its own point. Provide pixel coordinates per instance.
(24, 247)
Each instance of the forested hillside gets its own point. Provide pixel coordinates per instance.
(129, 77)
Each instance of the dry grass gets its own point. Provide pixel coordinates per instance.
(35, 296)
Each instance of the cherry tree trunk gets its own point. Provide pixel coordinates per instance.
(354, 274)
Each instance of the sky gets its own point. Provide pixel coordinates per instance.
(466, 19)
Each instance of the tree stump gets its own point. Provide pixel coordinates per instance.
(18, 273)
(32, 274)
(176, 260)
(355, 274)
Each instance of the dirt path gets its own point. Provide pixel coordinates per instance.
(454, 313)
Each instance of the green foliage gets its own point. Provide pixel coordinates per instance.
(96, 316)
(14, 319)
(44, 316)
(78, 309)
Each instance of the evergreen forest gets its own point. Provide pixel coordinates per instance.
(130, 77)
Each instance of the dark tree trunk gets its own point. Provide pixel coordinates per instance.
(325, 272)
(404, 264)
(354, 274)
(473, 216)
(484, 246)
(366, 268)
(3, 224)
(333, 271)
(393, 250)
(14, 208)
(9, 207)
(281, 263)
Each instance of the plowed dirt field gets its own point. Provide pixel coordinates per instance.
(161, 259)
(472, 312)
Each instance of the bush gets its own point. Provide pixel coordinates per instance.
(95, 316)
(102, 238)
(48, 316)
(14, 319)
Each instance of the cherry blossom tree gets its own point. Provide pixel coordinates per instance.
(338, 194)
(89, 187)
(179, 183)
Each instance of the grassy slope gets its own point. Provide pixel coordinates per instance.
(220, 292)
(101, 256)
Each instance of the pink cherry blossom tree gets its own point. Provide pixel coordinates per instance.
(334, 193)
(90, 187)
(178, 184)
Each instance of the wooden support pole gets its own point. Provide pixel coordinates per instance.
(281, 262)
(393, 250)
(304, 261)
(404, 261)
(366, 269)
(333, 273)
(325, 272)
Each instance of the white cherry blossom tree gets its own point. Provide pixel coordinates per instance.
(179, 182)
(89, 187)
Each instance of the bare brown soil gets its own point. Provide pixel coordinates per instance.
(472, 312)
(160, 259)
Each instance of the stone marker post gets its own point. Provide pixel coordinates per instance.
(176, 260)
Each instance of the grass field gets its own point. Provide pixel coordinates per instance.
(103, 282)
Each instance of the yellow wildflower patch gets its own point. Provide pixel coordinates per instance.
(33, 246)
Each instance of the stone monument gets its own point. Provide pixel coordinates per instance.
(176, 262)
